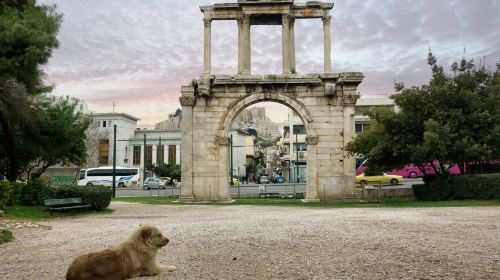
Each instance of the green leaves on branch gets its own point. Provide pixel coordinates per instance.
(453, 119)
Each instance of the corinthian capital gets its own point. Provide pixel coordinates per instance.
(350, 99)
(285, 19)
(326, 19)
(187, 100)
(207, 22)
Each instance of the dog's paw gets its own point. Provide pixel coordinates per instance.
(168, 268)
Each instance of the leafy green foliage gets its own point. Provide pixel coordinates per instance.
(453, 119)
(5, 193)
(27, 37)
(481, 186)
(167, 170)
(6, 236)
(97, 196)
(34, 192)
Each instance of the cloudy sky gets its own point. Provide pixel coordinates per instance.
(138, 53)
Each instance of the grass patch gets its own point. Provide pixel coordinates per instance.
(6, 236)
(387, 203)
(41, 212)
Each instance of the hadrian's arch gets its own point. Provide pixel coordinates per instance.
(324, 101)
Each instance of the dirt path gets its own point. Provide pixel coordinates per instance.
(255, 242)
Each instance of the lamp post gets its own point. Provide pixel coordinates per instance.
(296, 158)
(231, 147)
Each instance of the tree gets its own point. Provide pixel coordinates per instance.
(27, 37)
(61, 135)
(453, 119)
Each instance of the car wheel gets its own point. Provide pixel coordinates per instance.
(413, 174)
(362, 183)
(146, 187)
(89, 185)
(121, 185)
(162, 187)
(394, 182)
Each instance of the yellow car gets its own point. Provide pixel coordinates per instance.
(362, 179)
(236, 181)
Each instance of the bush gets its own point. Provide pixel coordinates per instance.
(6, 236)
(15, 196)
(5, 193)
(97, 196)
(34, 192)
(481, 186)
(484, 186)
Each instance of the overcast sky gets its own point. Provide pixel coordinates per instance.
(138, 53)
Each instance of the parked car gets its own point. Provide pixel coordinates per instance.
(153, 183)
(280, 179)
(264, 179)
(384, 178)
(236, 181)
(167, 181)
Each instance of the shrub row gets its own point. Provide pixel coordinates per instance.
(34, 192)
(484, 186)
(97, 196)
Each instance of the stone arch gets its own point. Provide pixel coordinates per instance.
(283, 98)
(288, 100)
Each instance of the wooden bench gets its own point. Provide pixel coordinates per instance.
(65, 204)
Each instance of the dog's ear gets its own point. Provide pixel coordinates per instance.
(146, 232)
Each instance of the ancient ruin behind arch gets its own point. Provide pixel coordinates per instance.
(325, 102)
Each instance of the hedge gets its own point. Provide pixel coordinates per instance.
(97, 196)
(483, 186)
(34, 192)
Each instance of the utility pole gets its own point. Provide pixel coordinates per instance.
(114, 161)
(231, 147)
(296, 157)
(144, 161)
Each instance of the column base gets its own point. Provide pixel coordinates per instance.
(307, 200)
(186, 198)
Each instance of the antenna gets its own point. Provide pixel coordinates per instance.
(114, 105)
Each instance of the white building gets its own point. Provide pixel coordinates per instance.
(363, 105)
(293, 149)
(134, 147)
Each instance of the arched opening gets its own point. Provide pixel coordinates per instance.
(284, 167)
(267, 152)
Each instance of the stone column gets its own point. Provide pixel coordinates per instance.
(241, 61)
(245, 46)
(187, 101)
(327, 43)
(349, 102)
(292, 45)
(207, 50)
(286, 44)
(312, 194)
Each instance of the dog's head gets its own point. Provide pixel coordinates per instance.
(152, 236)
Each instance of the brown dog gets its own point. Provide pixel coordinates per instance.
(134, 257)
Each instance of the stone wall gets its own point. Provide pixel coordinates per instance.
(324, 102)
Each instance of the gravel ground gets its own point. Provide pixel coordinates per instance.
(256, 242)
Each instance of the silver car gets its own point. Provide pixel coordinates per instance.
(153, 183)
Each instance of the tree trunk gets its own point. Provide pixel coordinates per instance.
(9, 144)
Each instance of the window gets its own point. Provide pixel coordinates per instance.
(149, 155)
(103, 123)
(137, 155)
(171, 154)
(302, 147)
(103, 151)
(159, 154)
(360, 127)
(299, 129)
